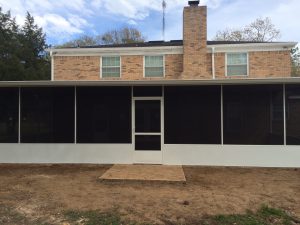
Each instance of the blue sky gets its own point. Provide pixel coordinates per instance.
(64, 20)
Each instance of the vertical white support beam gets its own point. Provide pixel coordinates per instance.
(284, 115)
(52, 66)
(132, 122)
(222, 117)
(75, 114)
(213, 63)
(162, 122)
(19, 116)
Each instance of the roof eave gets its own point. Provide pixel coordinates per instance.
(244, 81)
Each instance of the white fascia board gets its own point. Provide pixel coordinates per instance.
(118, 51)
(248, 47)
(244, 81)
(253, 47)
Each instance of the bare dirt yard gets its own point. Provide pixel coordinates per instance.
(43, 192)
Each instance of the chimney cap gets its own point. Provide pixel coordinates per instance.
(194, 3)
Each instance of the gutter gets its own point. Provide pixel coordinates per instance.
(249, 47)
(245, 81)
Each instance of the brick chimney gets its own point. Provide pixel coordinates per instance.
(195, 42)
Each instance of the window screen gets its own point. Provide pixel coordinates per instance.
(154, 66)
(47, 115)
(104, 115)
(253, 115)
(193, 115)
(111, 66)
(147, 91)
(9, 115)
(147, 143)
(237, 64)
(293, 114)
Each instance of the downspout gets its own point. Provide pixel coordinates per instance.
(52, 65)
(213, 63)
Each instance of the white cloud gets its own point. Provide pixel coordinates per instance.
(64, 18)
(57, 25)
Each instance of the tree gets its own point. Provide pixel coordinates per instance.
(82, 41)
(120, 36)
(261, 30)
(10, 62)
(295, 54)
(22, 50)
(33, 51)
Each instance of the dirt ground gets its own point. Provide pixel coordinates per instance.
(46, 190)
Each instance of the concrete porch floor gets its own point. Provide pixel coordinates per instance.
(145, 173)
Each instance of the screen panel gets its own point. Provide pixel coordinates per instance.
(104, 115)
(147, 91)
(253, 114)
(47, 115)
(147, 142)
(292, 114)
(9, 115)
(147, 116)
(193, 115)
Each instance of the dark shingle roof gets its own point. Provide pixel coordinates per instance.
(165, 43)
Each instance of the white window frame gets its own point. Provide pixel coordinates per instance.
(164, 66)
(226, 66)
(101, 67)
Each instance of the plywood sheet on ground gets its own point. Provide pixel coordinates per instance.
(145, 173)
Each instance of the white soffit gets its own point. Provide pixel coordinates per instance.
(253, 47)
(165, 50)
(161, 50)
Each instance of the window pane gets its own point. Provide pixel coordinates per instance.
(104, 115)
(253, 115)
(236, 58)
(147, 142)
(193, 115)
(154, 71)
(154, 66)
(111, 72)
(237, 70)
(154, 61)
(9, 115)
(47, 115)
(293, 114)
(110, 61)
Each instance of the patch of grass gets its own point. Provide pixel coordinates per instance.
(264, 216)
(93, 218)
(9, 216)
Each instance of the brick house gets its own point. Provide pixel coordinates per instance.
(190, 101)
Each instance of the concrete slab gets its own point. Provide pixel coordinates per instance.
(145, 173)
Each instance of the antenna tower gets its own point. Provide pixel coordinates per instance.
(164, 6)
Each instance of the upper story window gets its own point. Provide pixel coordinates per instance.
(237, 64)
(111, 66)
(154, 66)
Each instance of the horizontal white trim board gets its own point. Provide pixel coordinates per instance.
(249, 47)
(78, 83)
(66, 153)
(117, 51)
(232, 155)
(205, 155)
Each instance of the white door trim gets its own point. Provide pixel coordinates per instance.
(148, 157)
